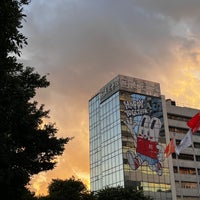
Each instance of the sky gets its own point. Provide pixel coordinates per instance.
(82, 44)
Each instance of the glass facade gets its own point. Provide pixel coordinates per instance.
(143, 140)
(95, 144)
(106, 163)
(127, 138)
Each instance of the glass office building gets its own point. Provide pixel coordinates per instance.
(129, 130)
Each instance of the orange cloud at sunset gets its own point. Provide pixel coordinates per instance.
(84, 44)
(75, 160)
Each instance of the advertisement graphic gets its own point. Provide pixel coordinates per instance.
(143, 118)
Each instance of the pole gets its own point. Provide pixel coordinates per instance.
(195, 163)
(179, 176)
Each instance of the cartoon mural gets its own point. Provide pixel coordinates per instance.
(144, 121)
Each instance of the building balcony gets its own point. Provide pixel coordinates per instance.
(186, 177)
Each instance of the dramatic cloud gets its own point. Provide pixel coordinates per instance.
(82, 44)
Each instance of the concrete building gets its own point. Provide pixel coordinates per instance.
(130, 124)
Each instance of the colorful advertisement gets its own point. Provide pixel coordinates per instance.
(144, 120)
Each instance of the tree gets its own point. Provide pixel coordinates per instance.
(120, 193)
(27, 144)
(75, 190)
(68, 189)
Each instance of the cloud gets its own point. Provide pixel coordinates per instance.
(37, 182)
(84, 44)
(176, 9)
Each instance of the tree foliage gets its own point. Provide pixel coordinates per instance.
(120, 193)
(27, 145)
(75, 190)
(68, 189)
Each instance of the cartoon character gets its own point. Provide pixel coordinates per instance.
(146, 142)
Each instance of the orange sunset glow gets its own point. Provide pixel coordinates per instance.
(84, 44)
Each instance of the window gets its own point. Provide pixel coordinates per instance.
(184, 170)
(197, 145)
(185, 156)
(178, 117)
(177, 130)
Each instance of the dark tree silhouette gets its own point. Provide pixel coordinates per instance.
(27, 145)
(69, 189)
(75, 190)
(120, 193)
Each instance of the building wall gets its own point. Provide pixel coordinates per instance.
(130, 124)
(186, 166)
(95, 144)
(169, 159)
(106, 163)
(143, 139)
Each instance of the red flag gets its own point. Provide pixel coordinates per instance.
(194, 123)
(170, 148)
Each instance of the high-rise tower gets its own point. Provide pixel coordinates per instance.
(130, 125)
